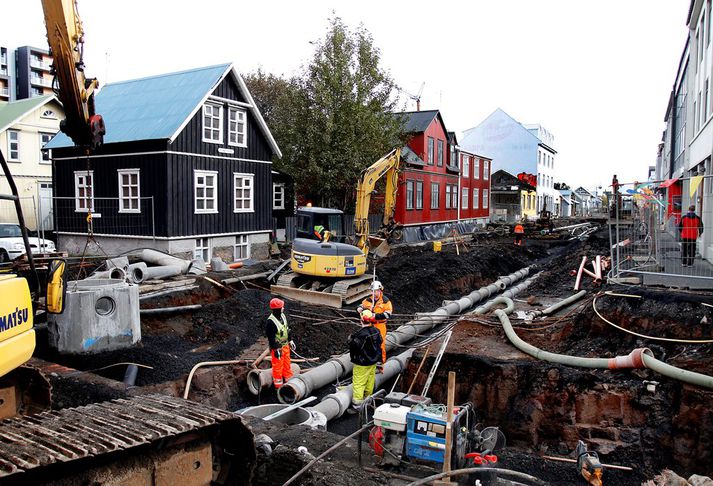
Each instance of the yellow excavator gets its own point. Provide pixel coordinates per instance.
(327, 267)
(22, 389)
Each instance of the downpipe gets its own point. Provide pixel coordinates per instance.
(639, 358)
(334, 405)
(300, 386)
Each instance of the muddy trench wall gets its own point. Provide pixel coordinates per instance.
(548, 408)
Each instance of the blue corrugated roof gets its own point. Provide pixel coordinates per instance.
(150, 108)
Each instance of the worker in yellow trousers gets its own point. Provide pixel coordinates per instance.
(280, 343)
(381, 307)
(365, 353)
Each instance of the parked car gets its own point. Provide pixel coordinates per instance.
(12, 246)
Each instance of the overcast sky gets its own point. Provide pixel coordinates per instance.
(595, 74)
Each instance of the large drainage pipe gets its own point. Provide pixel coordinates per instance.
(162, 259)
(557, 306)
(334, 405)
(162, 272)
(639, 358)
(300, 386)
(259, 380)
(510, 293)
(115, 273)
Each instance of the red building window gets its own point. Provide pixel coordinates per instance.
(409, 194)
(486, 170)
(435, 195)
(454, 197)
(419, 194)
(430, 151)
(440, 153)
(448, 196)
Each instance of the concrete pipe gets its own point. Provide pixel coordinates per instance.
(163, 272)
(510, 293)
(118, 262)
(114, 274)
(258, 380)
(334, 405)
(300, 386)
(158, 258)
(137, 272)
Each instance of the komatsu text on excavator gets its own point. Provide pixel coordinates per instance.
(326, 268)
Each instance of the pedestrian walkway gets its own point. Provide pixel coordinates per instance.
(670, 271)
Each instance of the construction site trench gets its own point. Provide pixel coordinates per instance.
(631, 418)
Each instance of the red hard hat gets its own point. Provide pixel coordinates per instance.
(277, 303)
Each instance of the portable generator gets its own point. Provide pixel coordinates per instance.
(410, 428)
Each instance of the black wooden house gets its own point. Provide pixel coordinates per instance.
(186, 167)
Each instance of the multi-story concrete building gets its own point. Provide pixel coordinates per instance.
(24, 73)
(517, 148)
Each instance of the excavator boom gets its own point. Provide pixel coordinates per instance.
(76, 92)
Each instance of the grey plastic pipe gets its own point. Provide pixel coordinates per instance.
(168, 310)
(163, 272)
(158, 258)
(638, 358)
(334, 405)
(510, 293)
(559, 305)
(258, 380)
(300, 386)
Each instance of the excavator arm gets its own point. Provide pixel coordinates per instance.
(387, 166)
(76, 92)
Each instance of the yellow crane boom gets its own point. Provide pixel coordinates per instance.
(387, 166)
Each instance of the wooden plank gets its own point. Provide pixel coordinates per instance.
(308, 296)
(449, 422)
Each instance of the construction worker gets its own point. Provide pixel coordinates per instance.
(280, 343)
(690, 228)
(519, 233)
(365, 353)
(321, 233)
(381, 307)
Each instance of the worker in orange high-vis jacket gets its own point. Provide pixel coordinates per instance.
(280, 343)
(381, 307)
(519, 233)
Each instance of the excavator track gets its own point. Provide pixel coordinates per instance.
(155, 438)
(335, 293)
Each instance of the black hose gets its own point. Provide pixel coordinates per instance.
(505, 473)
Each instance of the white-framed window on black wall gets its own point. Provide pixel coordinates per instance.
(440, 153)
(278, 196)
(13, 145)
(430, 151)
(129, 191)
(241, 250)
(419, 194)
(45, 154)
(448, 196)
(243, 193)
(202, 249)
(212, 123)
(435, 196)
(205, 183)
(409, 194)
(237, 133)
(83, 191)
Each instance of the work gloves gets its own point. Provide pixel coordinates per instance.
(292, 345)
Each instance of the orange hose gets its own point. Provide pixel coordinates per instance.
(235, 265)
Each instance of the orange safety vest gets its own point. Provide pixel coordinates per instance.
(519, 229)
(382, 305)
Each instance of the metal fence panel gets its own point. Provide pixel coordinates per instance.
(646, 240)
(291, 225)
(107, 219)
(8, 213)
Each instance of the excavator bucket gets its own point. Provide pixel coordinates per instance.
(378, 247)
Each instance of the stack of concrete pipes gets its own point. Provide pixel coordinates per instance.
(303, 385)
(165, 266)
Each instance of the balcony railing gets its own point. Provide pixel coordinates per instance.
(4, 92)
(40, 65)
(36, 80)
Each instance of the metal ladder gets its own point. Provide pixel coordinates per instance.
(437, 362)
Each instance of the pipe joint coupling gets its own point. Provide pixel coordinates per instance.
(633, 360)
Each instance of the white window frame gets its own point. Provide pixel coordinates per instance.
(238, 111)
(440, 155)
(46, 153)
(48, 114)
(251, 187)
(410, 194)
(486, 202)
(486, 170)
(466, 166)
(205, 187)
(476, 168)
(465, 192)
(241, 241)
(120, 173)
(199, 246)
(278, 203)
(16, 143)
(454, 197)
(435, 195)
(418, 192)
(79, 201)
(431, 148)
(476, 198)
(212, 116)
(448, 196)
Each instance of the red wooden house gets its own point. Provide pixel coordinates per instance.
(432, 189)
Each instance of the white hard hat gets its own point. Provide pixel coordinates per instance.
(376, 285)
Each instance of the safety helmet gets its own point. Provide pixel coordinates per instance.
(376, 285)
(277, 303)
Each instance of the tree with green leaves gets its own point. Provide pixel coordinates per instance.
(335, 118)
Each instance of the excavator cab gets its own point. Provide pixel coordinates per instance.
(332, 220)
